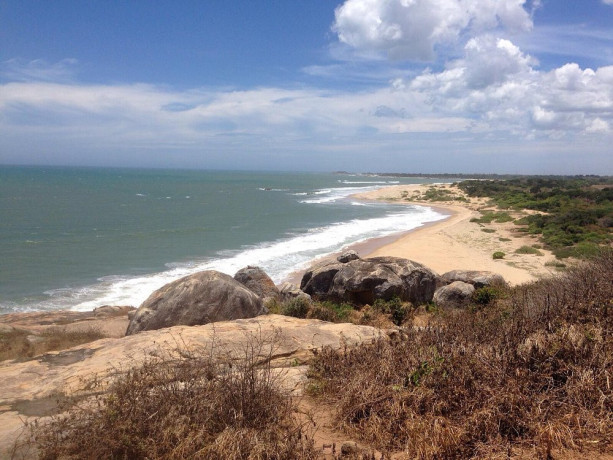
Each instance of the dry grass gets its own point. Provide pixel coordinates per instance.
(532, 370)
(184, 406)
(20, 344)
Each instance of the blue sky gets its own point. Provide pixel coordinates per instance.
(507, 86)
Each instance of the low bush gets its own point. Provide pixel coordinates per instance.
(331, 311)
(582, 250)
(488, 217)
(528, 250)
(397, 310)
(486, 295)
(498, 255)
(298, 308)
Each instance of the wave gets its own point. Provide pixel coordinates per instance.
(278, 258)
(335, 194)
(370, 182)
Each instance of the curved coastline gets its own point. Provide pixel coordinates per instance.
(456, 243)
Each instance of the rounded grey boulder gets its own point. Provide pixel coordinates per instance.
(454, 295)
(201, 298)
(363, 281)
(477, 278)
(257, 280)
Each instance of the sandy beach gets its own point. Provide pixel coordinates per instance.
(456, 242)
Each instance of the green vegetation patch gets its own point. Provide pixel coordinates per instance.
(489, 216)
(498, 255)
(571, 210)
(528, 250)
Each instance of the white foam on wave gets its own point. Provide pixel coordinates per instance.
(379, 182)
(336, 194)
(278, 258)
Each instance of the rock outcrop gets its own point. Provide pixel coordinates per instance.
(454, 295)
(363, 281)
(31, 388)
(201, 298)
(477, 278)
(257, 280)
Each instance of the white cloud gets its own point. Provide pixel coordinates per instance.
(38, 70)
(492, 95)
(411, 29)
(607, 2)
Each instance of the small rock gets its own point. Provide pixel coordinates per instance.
(348, 256)
(291, 291)
(34, 339)
(112, 310)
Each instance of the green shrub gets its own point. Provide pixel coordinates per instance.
(498, 255)
(488, 230)
(486, 295)
(394, 307)
(555, 264)
(331, 311)
(488, 217)
(298, 308)
(582, 250)
(504, 239)
(528, 250)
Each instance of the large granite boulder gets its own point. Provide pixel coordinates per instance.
(257, 280)
(318, 279)
(363, 281)
(454, 295)
(477, 278)
(201, 298)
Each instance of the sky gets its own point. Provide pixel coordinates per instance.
(425, 86)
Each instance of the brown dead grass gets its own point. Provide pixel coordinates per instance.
(530, 372)
(188, 405)
(20, 344)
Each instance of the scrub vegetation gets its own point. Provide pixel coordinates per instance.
(573, 216)
(523, 371)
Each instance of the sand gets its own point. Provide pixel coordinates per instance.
(456, 243)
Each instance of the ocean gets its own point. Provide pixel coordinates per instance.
(79, 238)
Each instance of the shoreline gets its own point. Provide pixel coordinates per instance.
(367, 247)
(452, 243)
(456, 243)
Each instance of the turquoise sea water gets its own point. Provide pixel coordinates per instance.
(84, 237)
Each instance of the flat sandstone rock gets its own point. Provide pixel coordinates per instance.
(28, 387)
